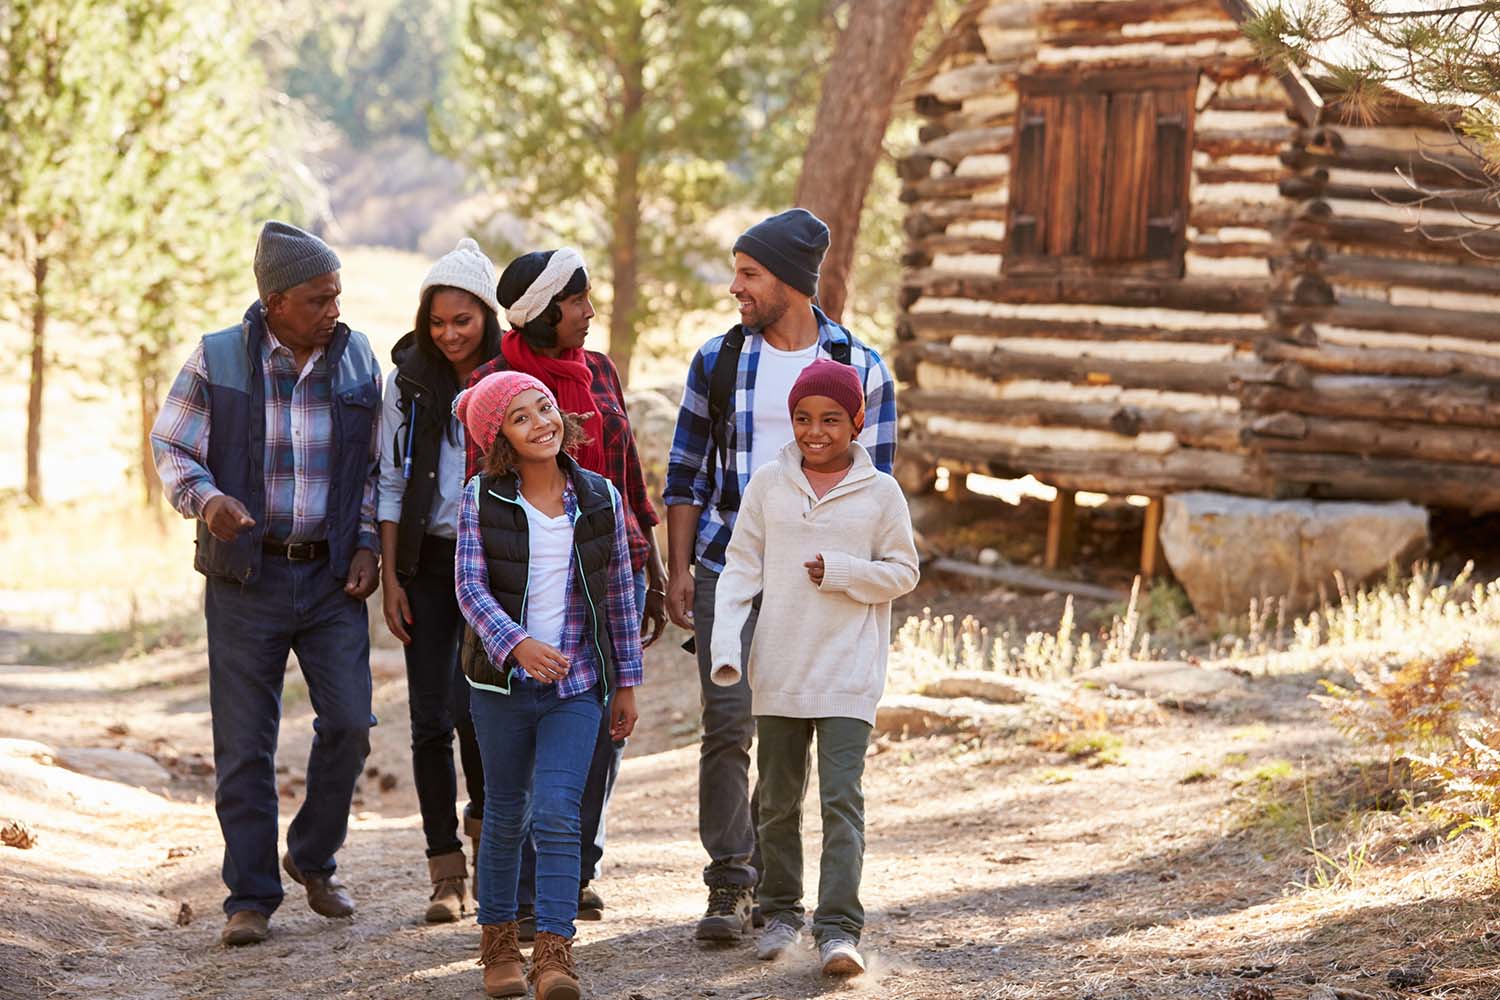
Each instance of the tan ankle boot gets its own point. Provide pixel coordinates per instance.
(500, 954)
(552, 973)
(473, 825)
(448, 872)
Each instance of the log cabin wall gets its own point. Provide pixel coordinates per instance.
(1245, 365)
(1388, 340)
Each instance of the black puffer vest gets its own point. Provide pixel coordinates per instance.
(419, 437)
(507, 554)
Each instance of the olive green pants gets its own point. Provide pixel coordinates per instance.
(785, 758)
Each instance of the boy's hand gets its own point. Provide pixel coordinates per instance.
(815, 571)
(540, 661)
(622, 713)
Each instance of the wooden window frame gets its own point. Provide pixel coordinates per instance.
(1033, 187)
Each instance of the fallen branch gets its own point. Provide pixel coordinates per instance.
(1025, 579)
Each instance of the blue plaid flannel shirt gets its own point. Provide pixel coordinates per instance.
(500, 634)
(689, 479)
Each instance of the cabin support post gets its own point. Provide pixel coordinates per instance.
(1153, 560)
(1062, 530)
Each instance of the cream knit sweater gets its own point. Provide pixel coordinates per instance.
(818, 652)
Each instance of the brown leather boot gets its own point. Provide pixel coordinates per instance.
(500, 954)
(473, 825)
(552, 974)
(447, 872)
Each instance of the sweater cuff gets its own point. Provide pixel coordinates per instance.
(725, 675)
(836, 570)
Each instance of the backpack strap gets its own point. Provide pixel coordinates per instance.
(721, 384)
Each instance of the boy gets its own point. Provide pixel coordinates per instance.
(825, 539)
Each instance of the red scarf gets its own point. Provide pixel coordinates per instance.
(571, 381)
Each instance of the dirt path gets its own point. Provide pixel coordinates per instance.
(994, 869)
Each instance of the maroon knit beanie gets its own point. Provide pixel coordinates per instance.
(837, 382)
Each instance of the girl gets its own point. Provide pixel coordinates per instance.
(543, 579)
(825, 538)
(548, 311)
(421, 477)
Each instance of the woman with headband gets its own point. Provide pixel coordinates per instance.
(547, 309)
(421, 476)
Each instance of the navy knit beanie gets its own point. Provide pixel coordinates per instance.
(790, 245)
(286, 256)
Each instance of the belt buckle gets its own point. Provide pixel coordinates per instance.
(301, 551)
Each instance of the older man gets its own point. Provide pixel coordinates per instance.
(269, 440)
(733, 420)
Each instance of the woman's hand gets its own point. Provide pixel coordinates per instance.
(540, 661)
(397, 609)
(653, 616)
(622, 713)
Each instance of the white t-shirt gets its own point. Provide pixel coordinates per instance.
(551, 543)
(775, 374)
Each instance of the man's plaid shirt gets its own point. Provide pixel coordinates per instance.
(622, 464)
(299, 445)
(691, 481)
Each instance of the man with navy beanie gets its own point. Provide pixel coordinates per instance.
(269, 440)
(734, 419)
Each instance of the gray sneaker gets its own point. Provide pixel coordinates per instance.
(840, 958)
(777, 938)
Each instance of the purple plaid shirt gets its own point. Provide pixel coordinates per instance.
(500, 634)
(299, 446)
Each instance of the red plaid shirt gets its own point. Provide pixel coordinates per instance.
(622, 466)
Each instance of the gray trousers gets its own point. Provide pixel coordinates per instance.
(727, 810)
(784, 757)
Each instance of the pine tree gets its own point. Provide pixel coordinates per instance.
(627, 123)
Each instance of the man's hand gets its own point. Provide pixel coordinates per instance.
(540, 661)
(226, 518)
(622, 713)
(680, 600)
(364, 574)
(653, 617)
(397, 609)
(815, 570)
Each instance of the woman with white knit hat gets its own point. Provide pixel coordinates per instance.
(421, 477)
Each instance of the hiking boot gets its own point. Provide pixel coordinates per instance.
(757, 918)
(778, 937)
(326, 895)
(473, 825)
(840, 958)
(728, 914)
(500, 954)
(245, 927)
(447, 900)
(552, 974)
(590, 904)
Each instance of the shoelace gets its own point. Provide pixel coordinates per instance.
(722, 900)
(499, 948)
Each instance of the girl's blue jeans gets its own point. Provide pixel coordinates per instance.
(537, 745)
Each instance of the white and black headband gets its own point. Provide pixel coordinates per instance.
(553, 279)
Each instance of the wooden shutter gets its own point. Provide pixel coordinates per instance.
(1167, 199)
(1028, 179)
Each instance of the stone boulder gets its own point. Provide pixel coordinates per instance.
(1228, 550)
(653, 419)
(1169, 682)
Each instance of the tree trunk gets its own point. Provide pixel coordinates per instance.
(148, 380)
(625, 228)
(38, 381)
(859, 90)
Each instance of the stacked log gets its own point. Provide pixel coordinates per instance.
(1382, 298)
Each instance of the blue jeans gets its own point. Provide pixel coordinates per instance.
(293, 607)
(536, 748)
(603, 770)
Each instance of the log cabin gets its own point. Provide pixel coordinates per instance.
(1141, 262)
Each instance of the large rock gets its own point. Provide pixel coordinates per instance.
(1228, 550)
(124, 766)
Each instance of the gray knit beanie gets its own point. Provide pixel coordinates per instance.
(790, 245)
(467, 268)
(286, 256)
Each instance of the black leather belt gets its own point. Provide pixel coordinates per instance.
(296, 551)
